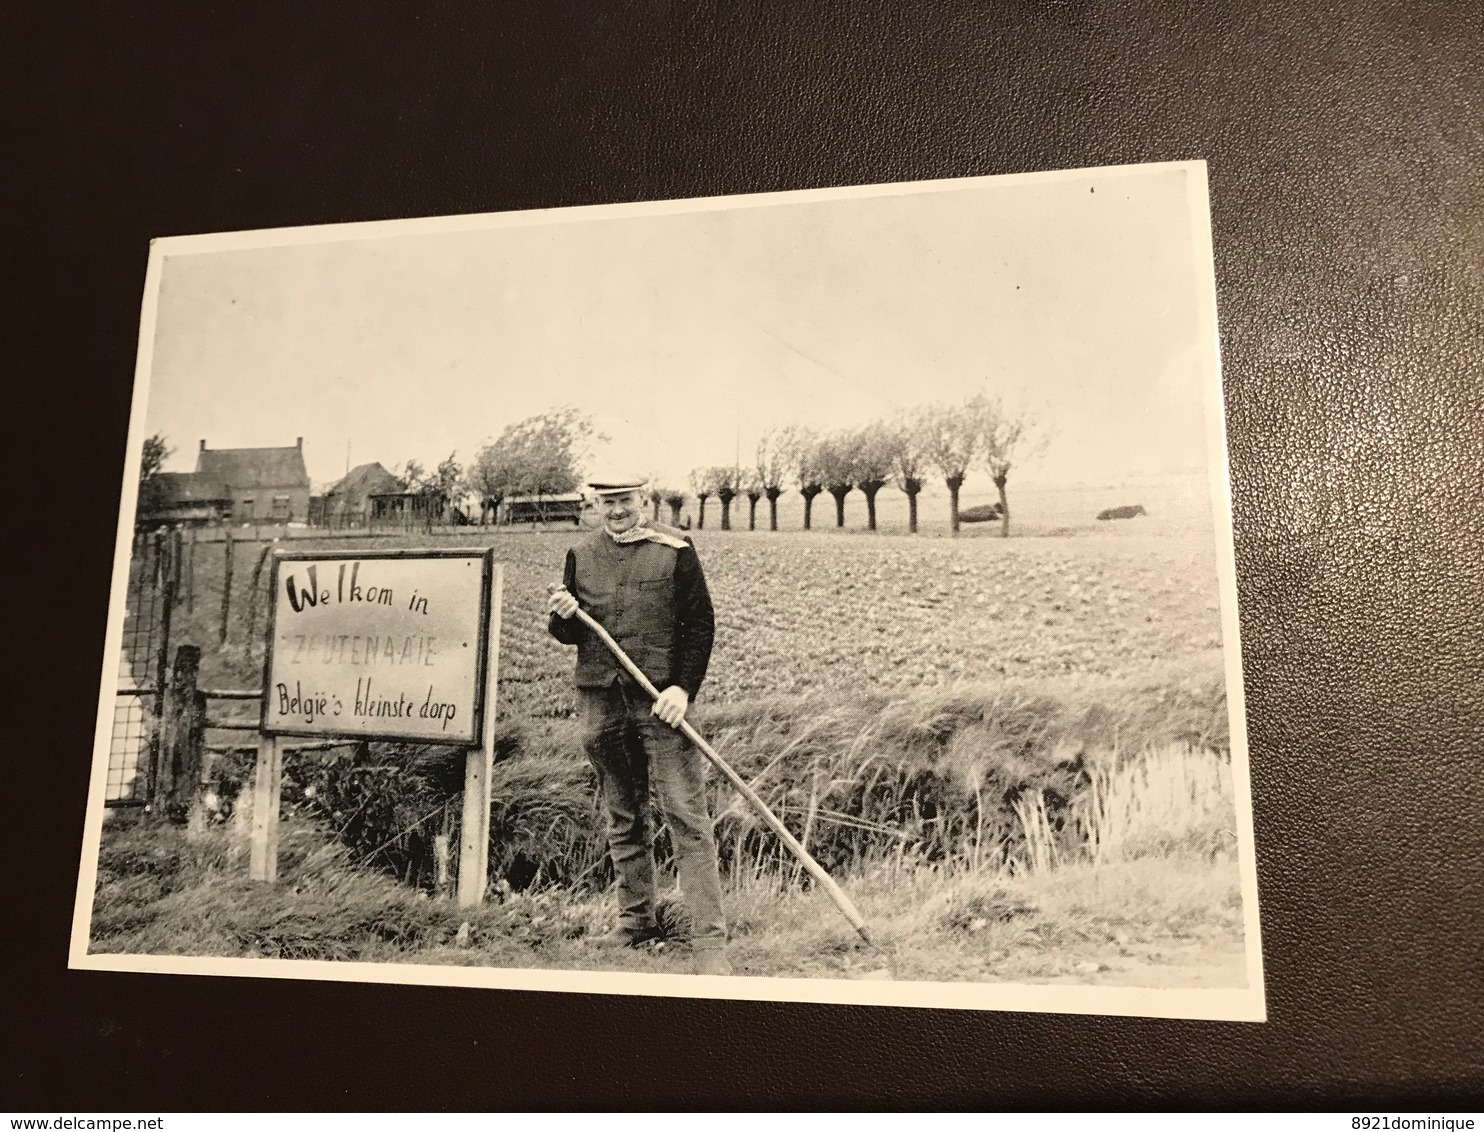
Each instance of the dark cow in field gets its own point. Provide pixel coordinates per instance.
(980, 514)
(1122, 512)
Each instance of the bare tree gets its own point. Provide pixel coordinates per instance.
(951, 438)
(908, 464)
(426, 488)
(675, 500)
(874, 449)
(837, 455)
(727, 483)
(751, 485)
(801, 448)
(704, 488)
(413, 475)
(773, 457)
(434, 492)
(1007, 436)
(447, 485)
(656, 496)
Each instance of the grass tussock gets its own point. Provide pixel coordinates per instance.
(1174, 799)
(162, 891)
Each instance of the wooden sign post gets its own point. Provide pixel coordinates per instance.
(479, 763)
(267, 791)
(394, 645)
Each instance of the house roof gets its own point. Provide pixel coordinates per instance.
(365, 479)
(172, 489)
(244, 468)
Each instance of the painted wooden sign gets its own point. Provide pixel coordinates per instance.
(379, 645)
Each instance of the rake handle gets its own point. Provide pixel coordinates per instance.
(814, 868)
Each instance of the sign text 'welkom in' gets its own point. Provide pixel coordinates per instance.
(379, 645)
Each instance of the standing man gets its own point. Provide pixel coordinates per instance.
(643, 583)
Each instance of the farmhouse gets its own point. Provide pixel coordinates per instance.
(264, 484)
(183, 499)
(348, 502)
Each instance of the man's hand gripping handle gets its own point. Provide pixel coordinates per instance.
(670, 705)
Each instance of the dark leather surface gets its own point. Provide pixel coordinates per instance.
(1347, 171)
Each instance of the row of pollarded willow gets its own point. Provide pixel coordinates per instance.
(951, 440)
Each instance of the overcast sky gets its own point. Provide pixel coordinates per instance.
(687, 335)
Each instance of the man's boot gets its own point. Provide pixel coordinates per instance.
(625, 937)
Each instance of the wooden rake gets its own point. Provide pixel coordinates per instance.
(814, 868)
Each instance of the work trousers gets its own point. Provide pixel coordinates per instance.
(632, 751)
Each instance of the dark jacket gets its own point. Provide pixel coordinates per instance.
(653, 601)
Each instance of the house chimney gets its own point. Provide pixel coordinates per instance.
(300, 444)
(203, 445)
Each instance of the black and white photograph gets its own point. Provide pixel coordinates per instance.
(823, 595)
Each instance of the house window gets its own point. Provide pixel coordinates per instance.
(244, 508)
(281, 507)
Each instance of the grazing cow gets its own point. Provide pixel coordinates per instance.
(980, 514)
(1122, 512)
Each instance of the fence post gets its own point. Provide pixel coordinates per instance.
(253, 596)
(177, 545)
(183, 730)
(226, 585)
(191, 571)
(164, 576)
(167, 608)
(196, 816)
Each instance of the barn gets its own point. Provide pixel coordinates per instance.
(348, 501)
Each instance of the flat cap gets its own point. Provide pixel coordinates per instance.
(612, 483)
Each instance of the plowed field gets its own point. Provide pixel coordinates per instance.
(818, 612)
(824, 612)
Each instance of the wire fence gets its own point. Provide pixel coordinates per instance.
(155, 565)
